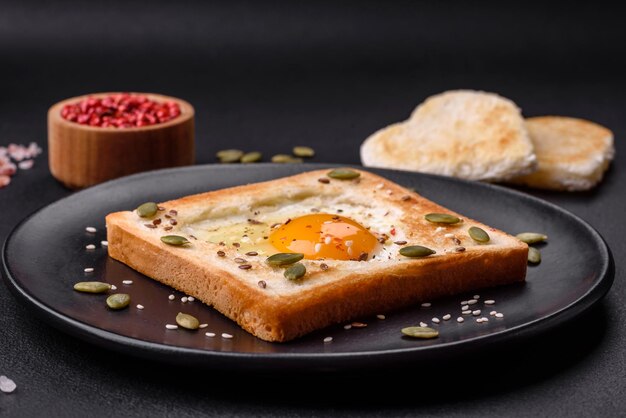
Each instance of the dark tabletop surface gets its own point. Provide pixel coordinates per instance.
(272, 75)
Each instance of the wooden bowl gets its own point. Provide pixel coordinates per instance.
(82, 155)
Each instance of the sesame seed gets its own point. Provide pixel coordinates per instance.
(171, 297)
(113, 287)
(476, 312)
(104, 243)
(423, 324)
(227, 336)
(435, 320)
(318, 247)
(449, 235)
(127, 281)
(347, 326)
(7, 385)
(380, 316)
(262, 284)
(324, 266)
(151, 226)
(447, 317)
(323, 180)
(239, 260)
(171, 326)
(91, 229)
(328, 240)
(203, 326)
(460, 319)
(464, 302)
(499, 315)
(139, 306)
(399, 242)
(380, 185)
(464, 307)
(459, 249)
(466, 312)
(349, 243)
(492, 313)
(476, 296)
(472, 301)
(328, 339)
(350, 251)
(190, 298)
(245, 266)
(359, 324)
(489, 302)
(426, 305)
(252, 253)
(221, 253)
(89, 270)
(209, 334)
(485, 319)
(168, 228)
(184, 299)
(90, 247)
(479, 320)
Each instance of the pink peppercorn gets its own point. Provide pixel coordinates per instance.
(123, 110)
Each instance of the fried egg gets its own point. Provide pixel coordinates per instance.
(341, 231)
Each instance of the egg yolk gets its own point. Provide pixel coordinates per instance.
(323, 235)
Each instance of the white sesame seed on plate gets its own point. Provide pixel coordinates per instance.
(466, 312)
(499, 315)
(460, 319)
(347, 326)
(90, 247)
(476, 297)
(171, 326)
(426, 305)
(328, 339)
(104, 243)
(489, 302)
(464, 302)
(380, 316)
(209, 334)
(89, 270)
(476, 312)
(435, 320)
(91, 229)
(7, 385)
(227, 336)
(492, 313)
(184, 299)
(113, 287)
(190, 298)
(171, 297)
(464, 307)
(139, 306)
(479, 320)
(423, 324)
(472, 302)
(485, 319)
(447, 317)
(127, 281)
(203, 326)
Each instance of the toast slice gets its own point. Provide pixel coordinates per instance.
(572, 153)
(232, 232)
(460, 133)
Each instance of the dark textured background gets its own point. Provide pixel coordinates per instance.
(267, 76)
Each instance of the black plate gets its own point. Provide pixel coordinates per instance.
(45, 255)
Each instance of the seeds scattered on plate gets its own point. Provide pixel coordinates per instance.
(171, 326)
(534, 255)
(187, 321)
(209, 334)
(435, 320)
(91, 229)
(7, 385)
(460, 319)
(127, 281)
(380, 316)
(328, 339)
(92, 287)
(301, 151)
(88, 270)
(139, 306)
(118, 301)
(90, 247)
(420, 332)
(489, 302)
(426, 305)
(104, 243)
(227, 336)
(531, 237)
(446, 317)
(203, 325)
(499, 315)
(171, 297)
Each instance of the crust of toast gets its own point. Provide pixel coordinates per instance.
(461, 133)
(347, 290)
(572, 153)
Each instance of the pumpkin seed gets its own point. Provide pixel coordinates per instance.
(187, 321)
(251, 157)
(295, 271)
(478, 234)
(92, 287)
(176, 240)
(416, 251)
(343, 174)
(229, 155)
(284, 158)
(531, 237)
(420, 332)
(147, 210)
(442, 218)
(284, 259)
(534, 255)
(118, 300)
(306, 152)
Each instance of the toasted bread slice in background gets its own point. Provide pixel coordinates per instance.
(273, 308)
(462, 133)
(572, 153)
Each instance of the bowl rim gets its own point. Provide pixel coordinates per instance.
(187, 112)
